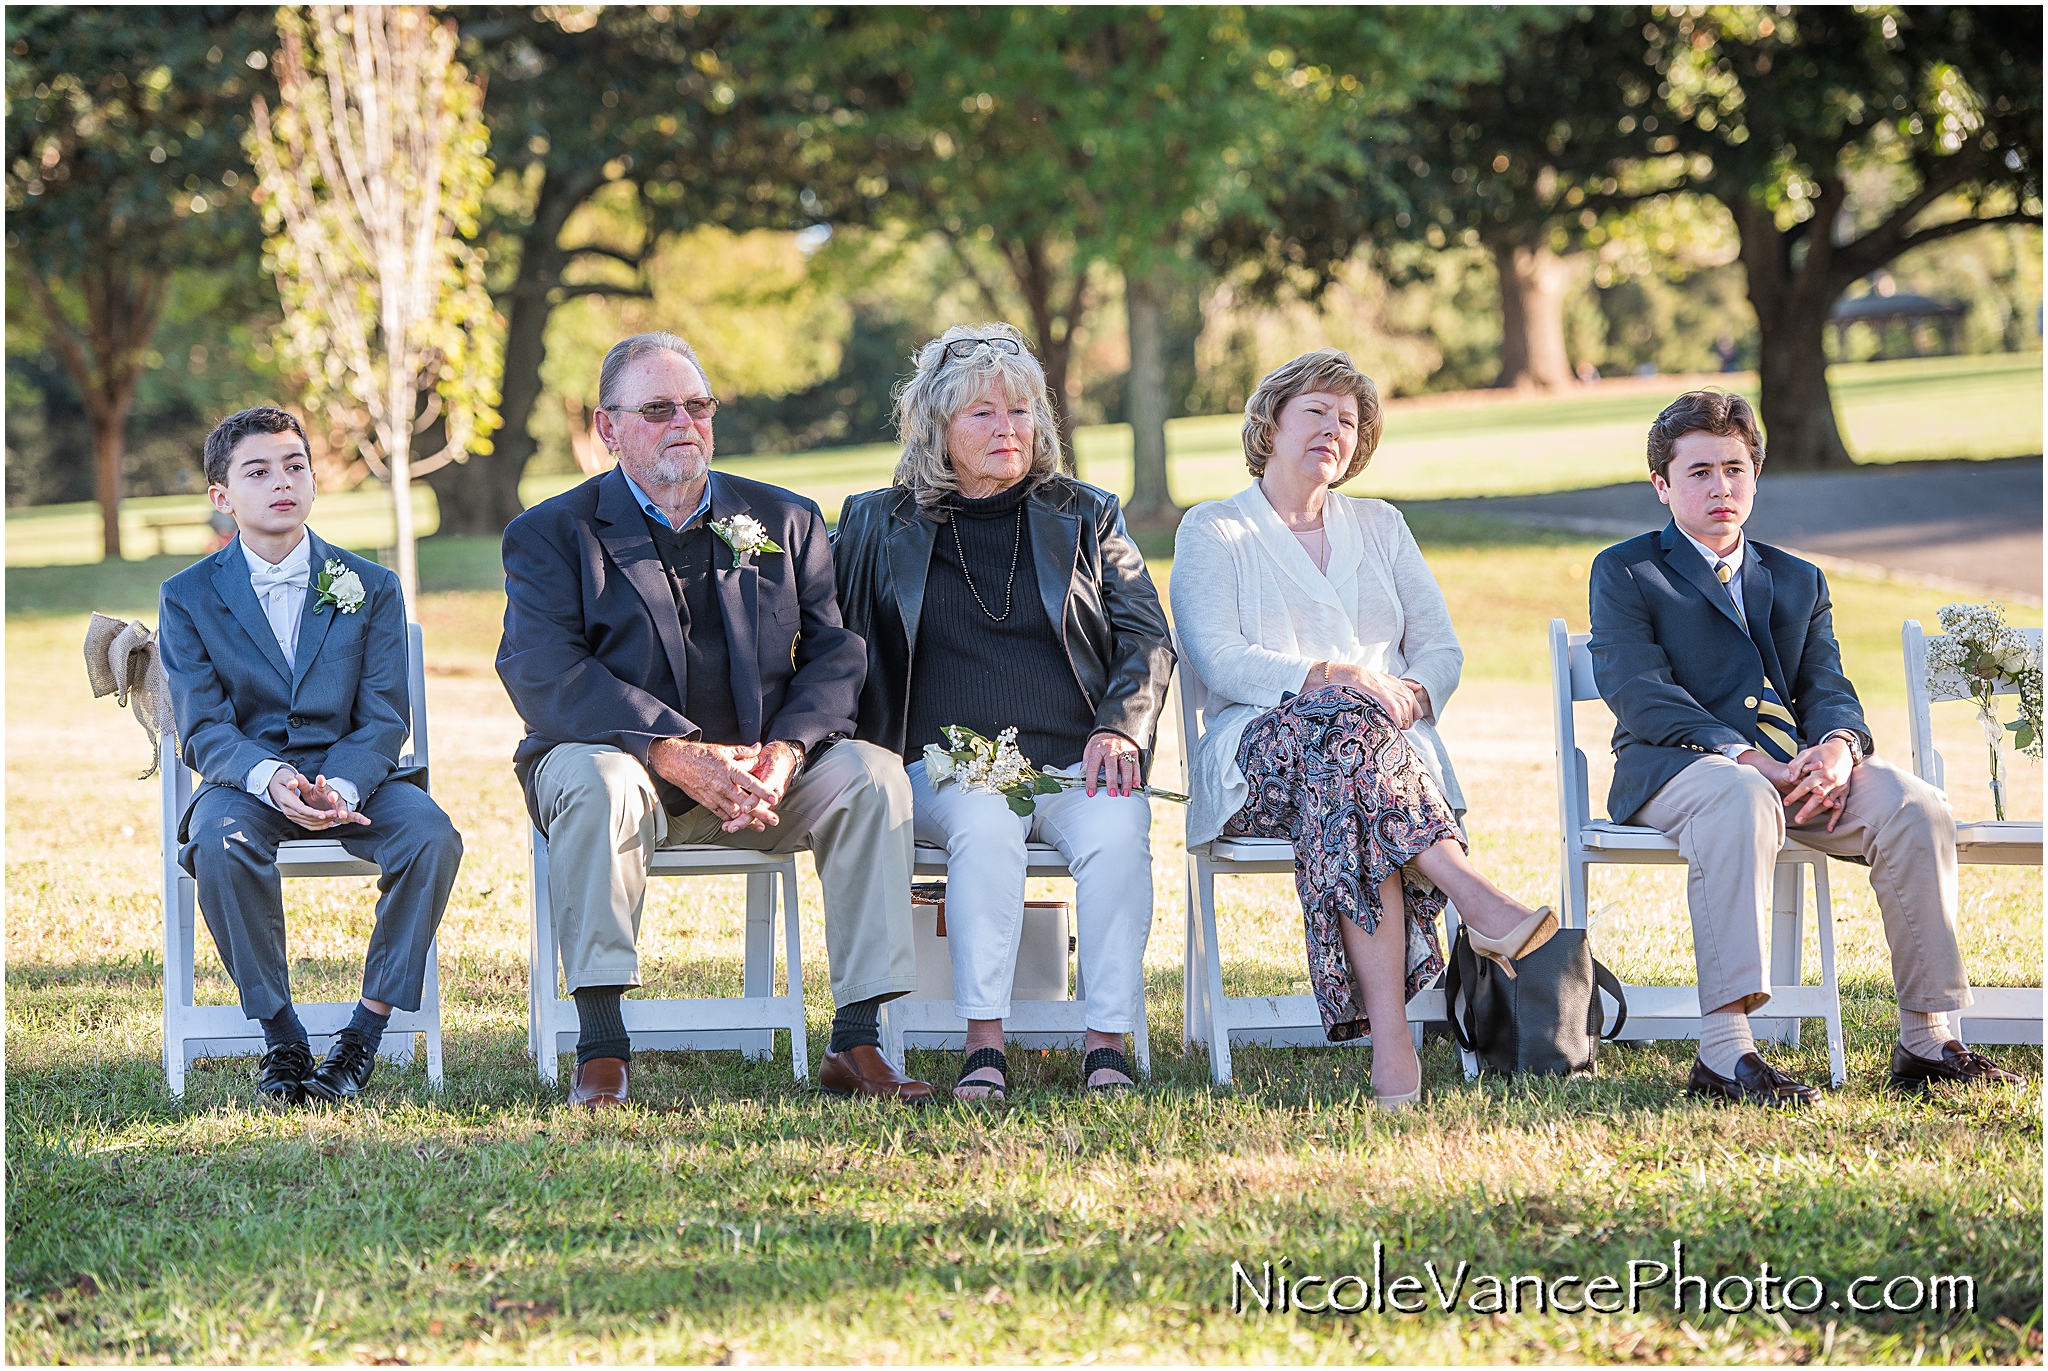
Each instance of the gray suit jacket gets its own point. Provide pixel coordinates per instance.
(340, 710)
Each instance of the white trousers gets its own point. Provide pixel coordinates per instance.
(1107, 842)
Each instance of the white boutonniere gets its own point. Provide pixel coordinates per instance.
(339, 587)
(743, 533)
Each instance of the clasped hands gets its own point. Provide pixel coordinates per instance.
(1817, 780)
(310, 802)
(740, 784)
(1406, 703)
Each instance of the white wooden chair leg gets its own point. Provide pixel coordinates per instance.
(759, 975)
(1577, 911)
(179, 910)
(1191, 963)
(431, 1000)
(793, 961)
(892, 1042)
(1141, 1037)
(544, 971)
(1824, 926)
(1218, 1009)
(1788, 901)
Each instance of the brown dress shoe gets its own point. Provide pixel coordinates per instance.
(599, 1083)
(863, 1070)
(1911, 1071)
(1756, 1081)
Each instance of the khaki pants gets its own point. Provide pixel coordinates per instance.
(1731, 823)
(851, 808)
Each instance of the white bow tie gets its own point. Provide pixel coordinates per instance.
(267, 578)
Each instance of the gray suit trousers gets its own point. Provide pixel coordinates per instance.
(233, 856)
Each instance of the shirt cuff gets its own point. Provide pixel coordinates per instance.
(257, 782)
(350, 796)
(1733, 751)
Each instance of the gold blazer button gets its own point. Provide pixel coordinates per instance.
(1749, 702)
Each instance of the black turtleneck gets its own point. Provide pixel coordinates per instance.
(975, 671)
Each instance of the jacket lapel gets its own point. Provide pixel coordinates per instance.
(739, 598)
(1683, 558)
(231, 582)
(624, 534)
(1279, 544)
(312, 627)
(1055, 546)
(910, 562)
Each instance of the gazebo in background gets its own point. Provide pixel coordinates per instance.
(1881, 311)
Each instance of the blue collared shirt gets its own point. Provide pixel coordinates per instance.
(653, 511)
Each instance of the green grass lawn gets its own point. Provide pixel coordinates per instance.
(729, 1216)
(1434, 448)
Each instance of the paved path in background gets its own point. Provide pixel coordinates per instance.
(1970, 525)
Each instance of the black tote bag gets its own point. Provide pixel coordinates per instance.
(1545, 1020)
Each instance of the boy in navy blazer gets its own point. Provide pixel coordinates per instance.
(1734, 726)
(287, 664)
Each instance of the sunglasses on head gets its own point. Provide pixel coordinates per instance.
(701, 408)
(962, 348)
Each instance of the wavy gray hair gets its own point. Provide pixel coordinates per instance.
(936, 393)
(1326, 370)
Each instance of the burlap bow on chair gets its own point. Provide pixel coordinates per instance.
(121, 660)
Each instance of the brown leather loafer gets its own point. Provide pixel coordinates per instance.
(1756, 1082)
(599, 1083)
(863, 1070)
(1910, 1071)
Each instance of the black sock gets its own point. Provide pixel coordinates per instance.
(856, 1023)
(283, 1027)
(367, 1026)
(603, 1032)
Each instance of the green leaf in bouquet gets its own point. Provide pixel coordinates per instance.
(1045, 785)
(1021, 802)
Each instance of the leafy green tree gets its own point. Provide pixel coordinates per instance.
(1775, 111)
(709, 115)
(124, 164)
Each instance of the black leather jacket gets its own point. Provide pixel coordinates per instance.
(1090, 576)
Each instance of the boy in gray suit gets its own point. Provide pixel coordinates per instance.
(287, 664)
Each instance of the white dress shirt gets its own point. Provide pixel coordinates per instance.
(281, 589)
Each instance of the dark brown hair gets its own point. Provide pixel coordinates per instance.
(229, 432)
(1703, 411)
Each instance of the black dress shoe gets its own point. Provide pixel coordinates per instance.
(345, 1072)
(1756, 1082)
(1910, 1071)
(281, 1079)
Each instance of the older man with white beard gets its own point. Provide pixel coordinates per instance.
(673, 642)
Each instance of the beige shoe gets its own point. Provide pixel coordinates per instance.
(1520, 941)
(1390, 1103)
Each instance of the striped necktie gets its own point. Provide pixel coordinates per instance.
(1777, 731)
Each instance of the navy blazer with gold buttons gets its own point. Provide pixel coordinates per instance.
(1683, 675)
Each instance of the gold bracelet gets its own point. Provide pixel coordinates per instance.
(1326, 673)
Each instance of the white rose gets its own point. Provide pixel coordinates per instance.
(748, 532)
(938, 766)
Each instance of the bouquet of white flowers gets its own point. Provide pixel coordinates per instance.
(1977, 651)
(975, 763)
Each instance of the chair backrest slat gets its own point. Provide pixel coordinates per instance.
(1571, 678)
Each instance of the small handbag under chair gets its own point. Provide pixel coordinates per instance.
(1544, 1018)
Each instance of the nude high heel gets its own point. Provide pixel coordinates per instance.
(1520, 941)
(1390, 1103)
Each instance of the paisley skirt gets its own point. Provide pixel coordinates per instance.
(1331, 773)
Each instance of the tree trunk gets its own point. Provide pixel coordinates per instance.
(1145, 397)
(1533, 282)
(481, 495)
(1792, 305)
(109, 452)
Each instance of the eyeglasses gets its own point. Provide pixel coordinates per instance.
(663, 412)
(962, 348)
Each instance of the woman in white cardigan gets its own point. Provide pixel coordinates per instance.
(1328, 654)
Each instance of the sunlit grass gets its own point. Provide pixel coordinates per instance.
(731, 1216)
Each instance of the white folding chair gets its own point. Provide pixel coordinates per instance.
(191, 1031)
(746, 1023)
(2001, 1014)
(1660, 1012)
(1031, 1023)
(1270, 1020)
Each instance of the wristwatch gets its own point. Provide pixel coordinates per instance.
(1848, 735)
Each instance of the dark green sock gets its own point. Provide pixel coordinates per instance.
(603, 1031)
(856, 1023)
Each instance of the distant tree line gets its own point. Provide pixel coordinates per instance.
(1060, 167)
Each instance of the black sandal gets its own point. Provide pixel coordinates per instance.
(980, 1059)
(1110, 1059)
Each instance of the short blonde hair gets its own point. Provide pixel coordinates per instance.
(1326, 370)
(936, 392)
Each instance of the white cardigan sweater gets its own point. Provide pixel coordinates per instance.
(1253, 613)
